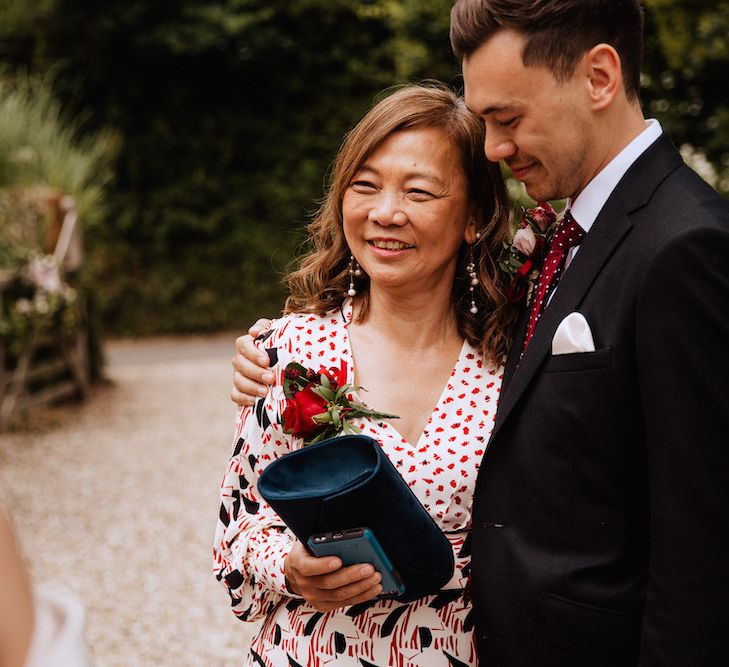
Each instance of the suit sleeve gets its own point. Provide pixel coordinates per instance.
(682, 349)
(251, 541)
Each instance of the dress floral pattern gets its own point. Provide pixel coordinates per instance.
(251, 541)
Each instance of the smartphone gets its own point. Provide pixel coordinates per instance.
(359, 545)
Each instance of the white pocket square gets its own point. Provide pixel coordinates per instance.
(573, 335)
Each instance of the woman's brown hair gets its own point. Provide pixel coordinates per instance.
(320, 282)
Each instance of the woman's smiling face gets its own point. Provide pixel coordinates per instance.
(406, 210)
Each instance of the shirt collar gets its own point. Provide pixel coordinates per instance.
(588, 204)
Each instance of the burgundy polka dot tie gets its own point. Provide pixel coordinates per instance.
(567, 235)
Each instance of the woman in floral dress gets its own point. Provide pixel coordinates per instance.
(400, 293)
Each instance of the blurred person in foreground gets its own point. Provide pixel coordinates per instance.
(601, 513)
(40, 626)
(400, 294)
(16, 601)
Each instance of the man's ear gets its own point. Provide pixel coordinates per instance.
(604, 75)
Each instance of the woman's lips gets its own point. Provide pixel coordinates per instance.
(393, 249)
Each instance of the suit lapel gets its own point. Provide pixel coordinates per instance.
(512, 359)
(609, 229)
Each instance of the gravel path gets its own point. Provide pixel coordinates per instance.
(116, 498)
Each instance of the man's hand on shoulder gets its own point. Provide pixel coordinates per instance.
(250, 367)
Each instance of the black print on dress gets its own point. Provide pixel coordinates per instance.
(466, 548)
(264, 336)
(292, 662)
(426, 637)
(340, 643)
(454, 662)
(294, 604)
(257, 658)
(366, 663)
(250, 505)
(236, 503)
(389, 625)
(443, 598)
(252, 462)
(224, 519)
(312, 623)
(277, 635)
(468, 622)
(356, 609)
(242, 482)
(272, 353)
(238, 446)
(234, 579)
(261, 415)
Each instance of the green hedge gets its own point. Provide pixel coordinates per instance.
(227, 115)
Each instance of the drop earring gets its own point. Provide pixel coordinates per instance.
(354, 272)
(473, 278)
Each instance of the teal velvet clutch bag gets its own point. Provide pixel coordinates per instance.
(348, 482)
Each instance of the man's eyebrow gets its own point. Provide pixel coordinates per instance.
(493, 109)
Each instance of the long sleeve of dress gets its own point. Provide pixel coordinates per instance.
(251, 541)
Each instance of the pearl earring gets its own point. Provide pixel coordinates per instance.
(354, 271)
(473, 277)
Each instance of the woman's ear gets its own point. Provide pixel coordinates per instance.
(470, 234)
(604, 75)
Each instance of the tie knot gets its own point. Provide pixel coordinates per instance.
(568, 233)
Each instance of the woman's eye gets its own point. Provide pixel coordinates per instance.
(362, 186)
(417, 193)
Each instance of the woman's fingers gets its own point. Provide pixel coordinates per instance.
(325, 585)
(352, 589)
(250, 372)
(248, 357)
(259, 326)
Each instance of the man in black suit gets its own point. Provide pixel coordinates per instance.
(601, 515)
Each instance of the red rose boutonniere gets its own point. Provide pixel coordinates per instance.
(519, 258)
(317, 406)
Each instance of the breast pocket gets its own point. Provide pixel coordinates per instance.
(578, 361)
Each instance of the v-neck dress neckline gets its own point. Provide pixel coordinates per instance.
(347, 312)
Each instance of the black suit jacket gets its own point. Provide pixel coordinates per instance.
(601, 512)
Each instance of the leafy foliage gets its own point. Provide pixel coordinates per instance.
(224, 117)
(687, 52)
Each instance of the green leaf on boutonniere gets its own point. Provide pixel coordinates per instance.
(323, 418)
(326, 393)
(325, 381)
(350, 429)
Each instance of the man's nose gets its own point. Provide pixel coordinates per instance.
(387, 209)
(497, 146)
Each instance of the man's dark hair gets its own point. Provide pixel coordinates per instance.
(558, 32)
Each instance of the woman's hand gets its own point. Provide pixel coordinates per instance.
(250, 368)
(325, 584)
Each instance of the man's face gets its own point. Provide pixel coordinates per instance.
(540, 127)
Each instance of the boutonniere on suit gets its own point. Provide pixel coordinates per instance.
(520, 257)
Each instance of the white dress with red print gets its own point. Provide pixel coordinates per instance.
(251, 541)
